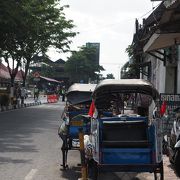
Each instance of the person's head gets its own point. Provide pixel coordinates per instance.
(115, 111)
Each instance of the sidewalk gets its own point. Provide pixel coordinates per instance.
(42, 99)
(27, 103)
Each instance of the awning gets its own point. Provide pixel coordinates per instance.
(50, 79)
(160, 41)
(19, 76)
(4, 73)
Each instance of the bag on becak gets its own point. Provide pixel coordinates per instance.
(62, 130)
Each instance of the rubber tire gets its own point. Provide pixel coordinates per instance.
(177, 162)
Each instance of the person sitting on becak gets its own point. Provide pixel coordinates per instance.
(143, 102)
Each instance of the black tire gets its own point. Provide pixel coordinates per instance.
(92, 170)
(177, 162)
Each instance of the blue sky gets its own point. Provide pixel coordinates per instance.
(111, 23)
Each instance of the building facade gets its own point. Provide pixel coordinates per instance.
(156, 45)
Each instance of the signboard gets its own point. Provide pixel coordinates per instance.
(172, 101)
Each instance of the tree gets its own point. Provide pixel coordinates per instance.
(82, 66)
(29, 28)
(47, 71)
(130, 70)
(9, 48)
(110, 76)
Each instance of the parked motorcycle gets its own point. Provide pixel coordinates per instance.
(174, 143)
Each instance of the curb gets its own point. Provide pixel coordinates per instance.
(18, 106)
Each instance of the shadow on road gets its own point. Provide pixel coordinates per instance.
(18, 130)
(72, 173)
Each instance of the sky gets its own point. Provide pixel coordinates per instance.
(110, 23)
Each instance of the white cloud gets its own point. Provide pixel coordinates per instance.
(111, 23)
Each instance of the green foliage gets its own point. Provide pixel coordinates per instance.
(47, 71)
(82, 66)
(129, 51)
(30, 27)
(110, 76)
(130, 70)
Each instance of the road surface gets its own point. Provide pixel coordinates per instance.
(30, 148)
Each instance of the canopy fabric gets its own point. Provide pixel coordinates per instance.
(50, 79)
(19, 75)
(80, 93)
(81, 87)
(109, 86)
(4, 73)
(79, 97)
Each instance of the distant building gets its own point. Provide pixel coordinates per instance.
(57, 68)
(5, 76)
(97, 46)
(156, 47)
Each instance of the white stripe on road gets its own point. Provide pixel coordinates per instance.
(31, 174)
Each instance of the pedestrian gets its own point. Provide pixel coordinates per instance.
(23, 94)
(63, 92)
(16, 95)
(36, 93)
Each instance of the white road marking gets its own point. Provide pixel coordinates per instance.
(31, 174)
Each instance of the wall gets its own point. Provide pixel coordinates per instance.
(158, 72)
(161, 76)
(170, 80)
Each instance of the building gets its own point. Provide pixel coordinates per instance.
(156, 46)
(52, 70)
(5, 76)
(97, 47)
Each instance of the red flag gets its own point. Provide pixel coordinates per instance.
(91, 109)
(163, 108)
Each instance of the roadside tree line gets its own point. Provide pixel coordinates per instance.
(29, 28)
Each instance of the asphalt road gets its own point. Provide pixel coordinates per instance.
(29, 144)
(30, 148)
